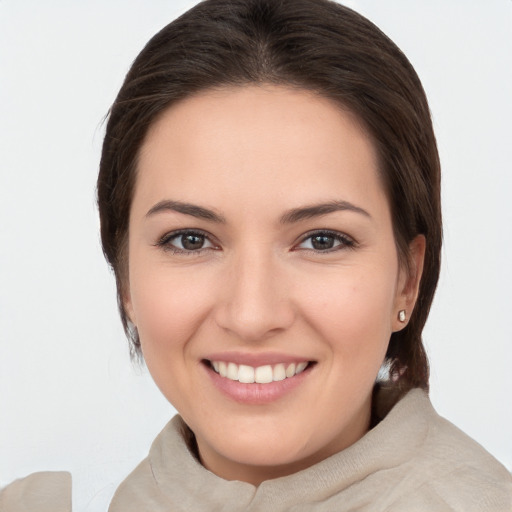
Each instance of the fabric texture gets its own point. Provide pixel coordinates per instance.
(412, 461)
(40, 492)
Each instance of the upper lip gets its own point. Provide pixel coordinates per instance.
(256, 359)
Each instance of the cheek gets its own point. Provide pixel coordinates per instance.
(354, 312)
(170, 313)
(169, 307)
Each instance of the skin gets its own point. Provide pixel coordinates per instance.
(251, 155)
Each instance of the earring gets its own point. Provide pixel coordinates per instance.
(401, 315)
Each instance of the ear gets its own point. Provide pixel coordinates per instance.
(409, 283)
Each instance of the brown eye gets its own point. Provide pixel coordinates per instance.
(325, 241)
(192, 241)
(185, 241)
(322, 242)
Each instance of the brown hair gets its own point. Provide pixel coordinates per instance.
(316, 45)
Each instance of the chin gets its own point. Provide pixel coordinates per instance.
(275, 450)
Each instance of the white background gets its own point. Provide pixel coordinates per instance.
(69, 397)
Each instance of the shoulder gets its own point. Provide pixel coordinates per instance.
(144, 488)
(46, 491)
(137, 491)
(172, 478)
(453, 470)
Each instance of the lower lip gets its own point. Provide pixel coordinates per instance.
(256, 394)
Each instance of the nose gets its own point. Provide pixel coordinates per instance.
(255, 303)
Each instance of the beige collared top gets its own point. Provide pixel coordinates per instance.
(412, 461)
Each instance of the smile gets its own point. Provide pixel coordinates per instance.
(261, 374)
(257, 379)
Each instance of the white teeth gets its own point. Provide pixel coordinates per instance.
(232, 371)
(246, 374)
(290, 370)
(279, 372)
(261, 374)
(300, 367)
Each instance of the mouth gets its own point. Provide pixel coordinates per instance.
(264, 374)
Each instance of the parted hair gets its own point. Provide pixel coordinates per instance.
(316, 45)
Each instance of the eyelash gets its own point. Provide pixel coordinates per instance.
(165, 241)
(345, 242)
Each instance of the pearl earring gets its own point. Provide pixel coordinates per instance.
(401, 315)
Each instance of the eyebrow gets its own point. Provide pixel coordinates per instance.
(188, 209)
(316, 210)
(290, 217)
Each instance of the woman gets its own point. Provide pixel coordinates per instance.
(269, 200)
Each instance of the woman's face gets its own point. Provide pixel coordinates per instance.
(261, 248)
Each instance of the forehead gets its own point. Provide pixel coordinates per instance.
(254, 141)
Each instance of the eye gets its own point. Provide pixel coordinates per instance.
(326, 241)
(186, 241)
